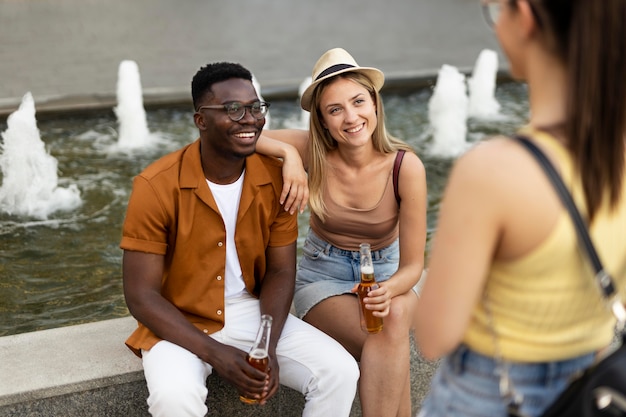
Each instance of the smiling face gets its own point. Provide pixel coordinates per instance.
(221, 136)
(348, 111)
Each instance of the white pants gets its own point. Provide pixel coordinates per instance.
(310, 361)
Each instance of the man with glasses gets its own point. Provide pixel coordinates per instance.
(207, 249)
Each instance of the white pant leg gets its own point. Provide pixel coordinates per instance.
(176, 380)
(310, 361)
(319, 367)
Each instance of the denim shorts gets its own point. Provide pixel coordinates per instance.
(466, 384)
(326, 270)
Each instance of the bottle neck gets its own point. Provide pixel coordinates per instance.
(367, 277)
(263, 335)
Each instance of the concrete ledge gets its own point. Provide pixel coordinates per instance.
(59, 361)
(86, 370)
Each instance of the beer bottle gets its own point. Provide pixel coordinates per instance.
(258, 355)
(369, 322)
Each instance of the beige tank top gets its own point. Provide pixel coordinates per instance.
(347, 227)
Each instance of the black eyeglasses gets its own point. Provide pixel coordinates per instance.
(236, 110)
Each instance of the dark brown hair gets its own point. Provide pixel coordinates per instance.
(590, 37)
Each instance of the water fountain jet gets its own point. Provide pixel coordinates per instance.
(29, 173)
(304, 115)
(257, 87)
(482, 86)
(447, 112)
(131, 115)
(300, 121)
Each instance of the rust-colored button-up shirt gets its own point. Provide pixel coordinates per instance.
(172, 212)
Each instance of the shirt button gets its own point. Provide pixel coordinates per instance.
(205, 331)
(219, 312)
(219, 277)
(220, 244)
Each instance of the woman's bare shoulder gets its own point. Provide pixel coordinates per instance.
(494, 167)
(412, 165)
(498, 153)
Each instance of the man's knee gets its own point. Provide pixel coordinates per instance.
(350, 371)
(177, 399)
(343, 369)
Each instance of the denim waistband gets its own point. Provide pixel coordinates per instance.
(330, 249)
(465, 359)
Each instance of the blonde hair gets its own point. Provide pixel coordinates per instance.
(322, 142)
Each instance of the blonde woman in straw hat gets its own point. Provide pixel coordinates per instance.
(350, 159)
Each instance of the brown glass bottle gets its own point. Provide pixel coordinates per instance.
(258, 355)
(369, 322)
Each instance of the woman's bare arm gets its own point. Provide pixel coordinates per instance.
(292, 147)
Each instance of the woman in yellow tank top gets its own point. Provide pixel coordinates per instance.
(505, 241)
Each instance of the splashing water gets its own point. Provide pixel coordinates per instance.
(257, 87)
(301, 119)
(482, 86)
(29, 172)
(304, 115)
(447, 113)
(131, 115)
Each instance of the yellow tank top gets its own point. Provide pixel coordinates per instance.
(545, 306)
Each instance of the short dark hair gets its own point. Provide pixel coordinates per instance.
(215, 73)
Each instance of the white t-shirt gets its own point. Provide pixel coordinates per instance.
(227, 197)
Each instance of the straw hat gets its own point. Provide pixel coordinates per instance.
(333, 62)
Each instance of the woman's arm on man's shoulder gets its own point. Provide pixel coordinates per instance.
(291, 146)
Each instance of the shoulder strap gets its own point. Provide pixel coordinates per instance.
(396, 173)
(603, 279)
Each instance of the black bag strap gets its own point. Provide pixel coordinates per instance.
(603, 279)
(396, 173)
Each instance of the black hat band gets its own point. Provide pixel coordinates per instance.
(334, 68)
